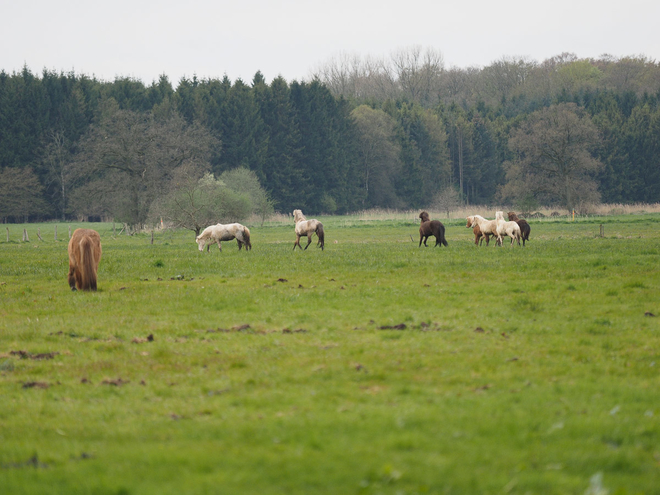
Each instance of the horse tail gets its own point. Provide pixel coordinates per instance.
(320, 234)
(442, 236)
(87, 268)
(246, 238)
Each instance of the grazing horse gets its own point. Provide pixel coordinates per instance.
(431, 228)
(216, 233)
(486, 227)
(525, 229)
(308, 228)
(504, 228)
(84, 257)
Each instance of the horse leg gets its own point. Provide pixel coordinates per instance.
(309, 240)
(297, 243)
(421, 236)
(219, 245)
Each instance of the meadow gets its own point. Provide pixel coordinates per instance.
(371, 367)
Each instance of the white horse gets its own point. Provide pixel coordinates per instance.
(504, 228)
(216, 233)
(487, 227)
(308, 228)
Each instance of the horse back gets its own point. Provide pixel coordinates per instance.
(84, 257)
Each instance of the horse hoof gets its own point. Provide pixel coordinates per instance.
(73, 289)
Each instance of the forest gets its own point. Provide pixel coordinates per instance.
(397, 132)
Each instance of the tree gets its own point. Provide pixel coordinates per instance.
(245, 182)
(554, 160)
(20, 193)
(134, 154)
(379, 155)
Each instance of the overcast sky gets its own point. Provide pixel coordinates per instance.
(210, 38)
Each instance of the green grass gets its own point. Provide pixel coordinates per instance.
(519, 370)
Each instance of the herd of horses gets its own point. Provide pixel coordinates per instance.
(85, 244)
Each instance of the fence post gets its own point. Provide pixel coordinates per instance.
(602, 230)
(39, 234)
(7, 233)
(26, 237)
(55, 232)
(69, 232)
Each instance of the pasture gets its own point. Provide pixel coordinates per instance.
(371, 367)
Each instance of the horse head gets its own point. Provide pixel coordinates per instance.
(424, 216)
(499, 216)
(298, 216)
(470, 222)
(512, 216)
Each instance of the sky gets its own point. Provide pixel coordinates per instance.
(144, 39)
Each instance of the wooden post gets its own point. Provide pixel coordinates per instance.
(7, 233)
(26, 237)
(69, 232)
(55, 232)
(39, 234)
(152, 237)
(602, 230)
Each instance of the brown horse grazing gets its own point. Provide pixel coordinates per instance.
(84, 257)
(525, 229)
(431, 228)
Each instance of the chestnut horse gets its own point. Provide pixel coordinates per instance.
(84, 257)
(308, 228)
(431, 228)
(525, 229)
(480, 236)
(486, 227)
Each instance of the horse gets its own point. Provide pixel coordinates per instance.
(220, 232)
(480, 236)
(487, 227)
(84, 257)
(308, 228)
(431, 228)
(504, 228)
(525, 229)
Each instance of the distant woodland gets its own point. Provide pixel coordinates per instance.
(401, 132)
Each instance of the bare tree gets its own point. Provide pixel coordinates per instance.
(554, 159)
(20, 193)
(134, 154)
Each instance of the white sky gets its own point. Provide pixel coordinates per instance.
(210, 38)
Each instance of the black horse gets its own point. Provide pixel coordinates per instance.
(431, 228)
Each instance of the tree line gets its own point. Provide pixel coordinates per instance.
(362, 133)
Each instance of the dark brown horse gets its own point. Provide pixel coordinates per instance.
(431, 228)
(84, 257)
(525, 229)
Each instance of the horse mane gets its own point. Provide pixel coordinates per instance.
(298, 216)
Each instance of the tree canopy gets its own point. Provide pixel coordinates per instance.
(362, 133)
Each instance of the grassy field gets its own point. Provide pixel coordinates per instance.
(371, 367)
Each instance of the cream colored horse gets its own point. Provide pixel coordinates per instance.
(216, 233)
(504, 228)
(308, 228)
(486, 226)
